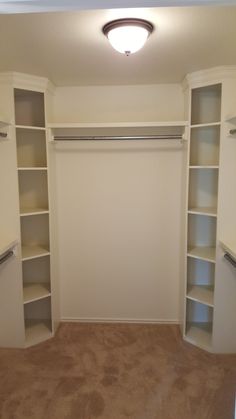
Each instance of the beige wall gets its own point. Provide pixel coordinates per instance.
(162, 102)
(118, 208)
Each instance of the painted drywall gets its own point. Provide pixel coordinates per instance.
(118, 208)
(162, 102)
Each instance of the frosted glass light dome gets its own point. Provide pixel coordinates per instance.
(128, 35)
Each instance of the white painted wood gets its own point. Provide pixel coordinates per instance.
(31, 148)
(11, 320)
(200, 334)
(211, 211)
(31, 252)
(35, 291)
(33, 189)
(201, 293)
(27, 212)
(37, 331)
(6, 244)
(215, 288)
(229, 247)
(203, 253)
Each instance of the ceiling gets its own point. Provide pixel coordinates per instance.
(70, 49)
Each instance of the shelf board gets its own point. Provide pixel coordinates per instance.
(4, 123)
(25, 212)
(200, 334)
(204, 167)
(30, 127)
(202, 293)
(31, 168)
(210, 211)
(35, 291)
(210, 124)
(37, 331)
(118, 124)
(231, 119)
(6, 245)
(203, 253)
(229, 247)
(33, 252)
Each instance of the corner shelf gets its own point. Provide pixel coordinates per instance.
(26, 212)
(199, 334)
(35, 291)
(32, 252)
(204, 253)
(37, 331)
(201, 293)
(209, 211)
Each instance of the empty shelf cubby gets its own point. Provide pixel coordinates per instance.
(205, 146)
(29, 108)
(31, 148)
(206, 105)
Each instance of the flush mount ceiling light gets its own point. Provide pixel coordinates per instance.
(128, 35)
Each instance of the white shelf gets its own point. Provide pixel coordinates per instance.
(200, 334)
(30, 127)
(203, 167)
(201, 293)
(231, 119)
(209, 211)
(229, 247)
(32, 252)
(4, 123)
(26, 212)
(35, 291)
(211, 124)
(37, 331)
(6, 245)
(32, 168)
(118, 124)
(203, 253)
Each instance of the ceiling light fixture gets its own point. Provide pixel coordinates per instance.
(128, 35)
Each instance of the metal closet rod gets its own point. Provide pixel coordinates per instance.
(116, 137)
(6, 256)
(229, 258)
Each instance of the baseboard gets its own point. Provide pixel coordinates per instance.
(117, 320)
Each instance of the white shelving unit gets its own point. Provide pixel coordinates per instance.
(210, 278)
(34, 214)
(203, 173)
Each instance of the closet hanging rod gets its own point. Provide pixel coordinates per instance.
(229, 258)
(232, 131)
(6, 256)
(116, 138)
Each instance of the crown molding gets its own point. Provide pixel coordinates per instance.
(27, 81)
(209, 76)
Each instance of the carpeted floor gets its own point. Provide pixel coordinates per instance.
(116, 372)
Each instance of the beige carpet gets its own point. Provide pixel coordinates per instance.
(116, 372)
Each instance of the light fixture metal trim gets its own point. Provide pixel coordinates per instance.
(128, 22)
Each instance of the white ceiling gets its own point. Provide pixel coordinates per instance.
(70, 49)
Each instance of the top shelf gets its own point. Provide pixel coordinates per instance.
(117, 124)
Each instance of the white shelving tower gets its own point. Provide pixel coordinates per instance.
(210, 283)
(25, 99)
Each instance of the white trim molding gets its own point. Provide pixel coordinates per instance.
(211, 75)
(27, 81)
(118, 320)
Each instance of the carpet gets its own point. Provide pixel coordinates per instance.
(116, 371)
